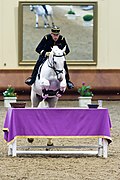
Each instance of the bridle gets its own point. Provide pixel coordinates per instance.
(51, 65)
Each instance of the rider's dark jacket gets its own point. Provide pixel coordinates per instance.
(47, 43)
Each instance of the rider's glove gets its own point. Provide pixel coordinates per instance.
(47, 53)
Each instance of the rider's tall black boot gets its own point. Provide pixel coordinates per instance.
(29, 81)
(70, 85)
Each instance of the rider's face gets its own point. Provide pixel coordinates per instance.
(55, 36)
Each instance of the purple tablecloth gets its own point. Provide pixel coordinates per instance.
(60, 122)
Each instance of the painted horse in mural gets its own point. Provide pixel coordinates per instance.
(44, 11)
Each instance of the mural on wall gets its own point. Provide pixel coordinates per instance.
(76, 22)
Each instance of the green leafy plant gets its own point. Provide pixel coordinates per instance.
(71, 12)
(88, 17)
(85, 90)
(10, 92)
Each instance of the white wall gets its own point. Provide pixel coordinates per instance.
(108, 35)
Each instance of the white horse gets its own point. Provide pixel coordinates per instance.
(50, 83)
(40, 11)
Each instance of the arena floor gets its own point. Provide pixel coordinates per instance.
(64, 167)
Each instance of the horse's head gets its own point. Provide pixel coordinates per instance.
(31, 7)
(57, 59)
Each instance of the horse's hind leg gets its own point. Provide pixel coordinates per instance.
(51, 17)
(45, 20)
(52, 102)
(34, 99)
(37, 24)
(34, 103)
(42, 104)
(49, 143)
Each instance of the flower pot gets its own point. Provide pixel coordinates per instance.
(84, 101)
(8, 100)
(88, 23)
(17, 104)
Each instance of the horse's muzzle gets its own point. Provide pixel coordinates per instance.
(60, 77)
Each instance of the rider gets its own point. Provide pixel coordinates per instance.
(46, 12)
(44, 48)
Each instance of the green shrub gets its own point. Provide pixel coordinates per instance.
(88, 17)
(85, 90)
(10, 92)
(71, 12)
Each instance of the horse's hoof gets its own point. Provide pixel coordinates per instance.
(30, 140)
(37, 25)
(59, 95)
(47, 149)
(46, 26)
(45, 96)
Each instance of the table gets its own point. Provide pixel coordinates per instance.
(57, 122)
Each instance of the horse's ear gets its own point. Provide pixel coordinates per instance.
(64, 49)
(31, 7)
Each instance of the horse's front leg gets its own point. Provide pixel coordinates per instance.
(34, 99)
(62, 88)
(63, 85)
(45, 84)
(37, 18)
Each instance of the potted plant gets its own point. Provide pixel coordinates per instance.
(9, 96)
(87, 19)
(85, 95)
(71, 14)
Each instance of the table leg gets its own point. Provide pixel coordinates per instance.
(105, 148)
(10, 150)
(14, 145)
(100, 147)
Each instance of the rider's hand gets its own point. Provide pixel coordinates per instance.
(47, 53)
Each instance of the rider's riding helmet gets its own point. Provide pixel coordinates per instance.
(55, 30)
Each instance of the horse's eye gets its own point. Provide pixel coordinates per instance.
(55, 62)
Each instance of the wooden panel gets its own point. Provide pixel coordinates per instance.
(97, 79)
(15, 78)
(105, 84)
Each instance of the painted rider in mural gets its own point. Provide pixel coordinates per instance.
(44, 48)
(46, 12)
